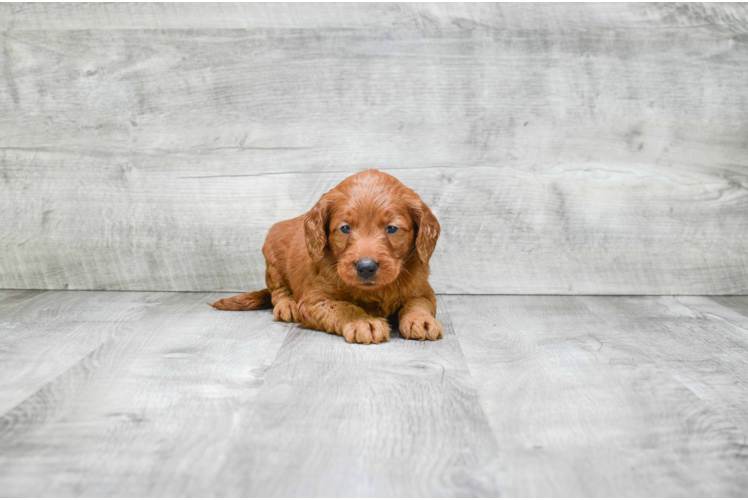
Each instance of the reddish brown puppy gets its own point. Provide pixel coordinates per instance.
(360, 255)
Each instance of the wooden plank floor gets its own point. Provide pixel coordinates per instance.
(155, 394)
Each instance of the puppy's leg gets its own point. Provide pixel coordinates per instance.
(417, 319)
(284, 306)
(346, 319)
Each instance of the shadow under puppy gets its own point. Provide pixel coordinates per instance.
(360, 255)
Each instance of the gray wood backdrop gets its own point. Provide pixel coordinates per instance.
(569, 148)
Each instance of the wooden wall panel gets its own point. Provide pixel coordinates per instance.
(443, 16)
(587, 148)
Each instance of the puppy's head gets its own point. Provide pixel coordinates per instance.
(371, 225)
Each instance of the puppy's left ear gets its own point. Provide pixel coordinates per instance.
(315, 226)
(428, 230)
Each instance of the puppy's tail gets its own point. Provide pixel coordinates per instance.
(249, 301)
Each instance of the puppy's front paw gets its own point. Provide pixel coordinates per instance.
(366, 331)
(286, 310)
(420, 327)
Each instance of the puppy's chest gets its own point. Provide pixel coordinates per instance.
(378, 304)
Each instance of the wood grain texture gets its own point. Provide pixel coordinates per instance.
(197, 402)
(525, 396)
(45, 334)
(149, 413)
(611, 396)
(738, 304)
(341, 420)
(569, 149)
(449, 16)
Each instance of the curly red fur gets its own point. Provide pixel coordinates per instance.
(311, 263)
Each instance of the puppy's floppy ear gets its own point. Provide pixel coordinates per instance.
(315, 226)
(428, 229)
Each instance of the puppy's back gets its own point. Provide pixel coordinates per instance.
(285, 243)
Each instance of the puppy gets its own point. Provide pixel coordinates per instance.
(360, 255)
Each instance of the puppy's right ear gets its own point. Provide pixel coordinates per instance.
(315, 226)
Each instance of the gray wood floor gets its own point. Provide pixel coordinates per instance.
(155, 394)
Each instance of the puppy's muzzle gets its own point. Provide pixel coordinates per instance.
(366, 268)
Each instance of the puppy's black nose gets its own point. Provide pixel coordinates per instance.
(366, 268)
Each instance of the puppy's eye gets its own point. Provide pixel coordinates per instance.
(391, 229)
(345, 229)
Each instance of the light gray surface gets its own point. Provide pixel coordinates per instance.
(578, 148)
(525, 396)
(601, 396)
(42, 335)
(151, 411)
(444, 16)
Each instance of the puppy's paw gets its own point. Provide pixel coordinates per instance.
(367, 331)
(286, 310)
(420, 326)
